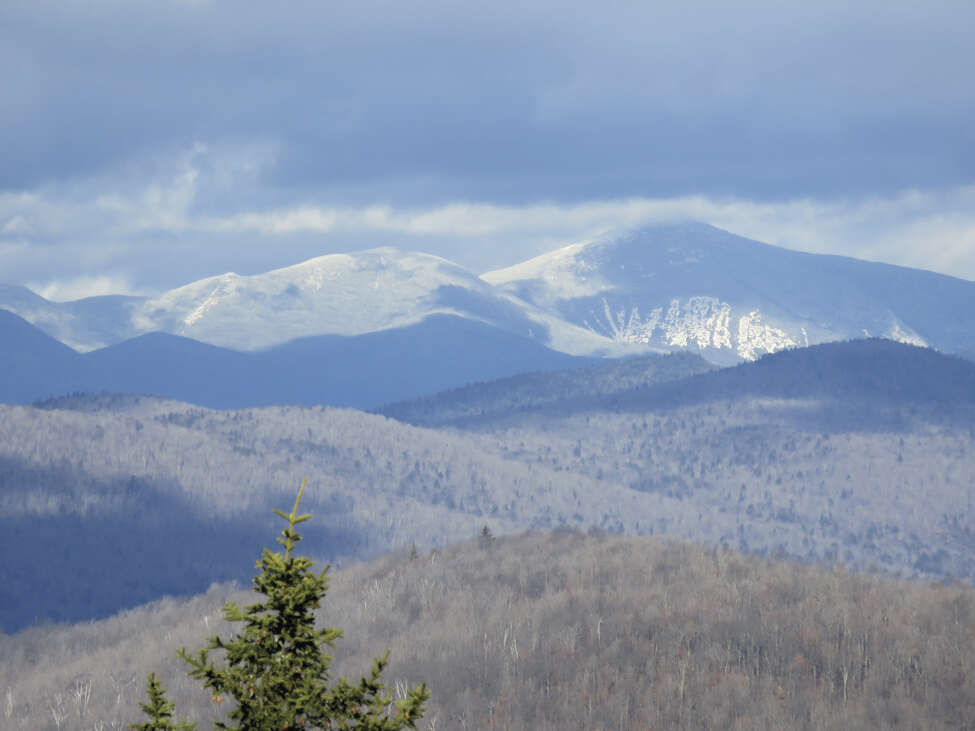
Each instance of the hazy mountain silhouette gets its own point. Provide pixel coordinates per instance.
(362, 371)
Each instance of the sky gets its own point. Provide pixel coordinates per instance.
(145, 145)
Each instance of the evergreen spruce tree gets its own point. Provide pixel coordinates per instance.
(159, 710)
(276, 668)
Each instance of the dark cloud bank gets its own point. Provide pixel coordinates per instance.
(493, 101)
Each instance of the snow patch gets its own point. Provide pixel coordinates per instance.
(701, 321)
(756, 338)
(226, 288)
(903, 334)
(564, 272)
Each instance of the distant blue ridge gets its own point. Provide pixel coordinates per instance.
(361, 371)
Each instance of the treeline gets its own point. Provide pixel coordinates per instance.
(566, 630)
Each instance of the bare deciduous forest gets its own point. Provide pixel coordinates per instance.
(565, 630)
(761, 458)
(599, 617)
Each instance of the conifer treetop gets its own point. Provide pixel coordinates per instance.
(159, 710)
(276, 667)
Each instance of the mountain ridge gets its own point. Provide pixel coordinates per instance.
(860, 379)
(362, 371)
(733, 298)
(657, 289)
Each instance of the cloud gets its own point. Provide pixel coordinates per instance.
(169, 141)
(432, 102)
(931, 230)
(65, 290)
(185, 224)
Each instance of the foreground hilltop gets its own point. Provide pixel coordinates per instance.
(566, 630)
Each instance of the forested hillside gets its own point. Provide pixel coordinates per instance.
(764, 458)
(506, 397)
(149, 475)
(564, 630)
(854, 385)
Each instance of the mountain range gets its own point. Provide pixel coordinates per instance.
(695, 286)
(379, 326)
(360, 371)
(665, 286)
(857, 452)
(853, 453)
(340, 295)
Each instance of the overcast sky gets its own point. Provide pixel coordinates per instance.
(144, 145)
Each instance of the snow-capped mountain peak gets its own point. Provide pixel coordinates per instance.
(341, 294)
(695, 286)
(558, 275)
(683, 286)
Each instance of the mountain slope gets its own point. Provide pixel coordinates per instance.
(877, 370)
(33, 364)
(508, 397)
(440, 352)
(87, 481)
(835, 452)
(695, 286)
(339, 294)
(661, 288)
(843, 384)
(857, 380)
(85, 324)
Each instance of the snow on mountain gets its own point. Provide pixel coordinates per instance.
(696, 286)
(688, 286)
(85, 324)
(349, 294)
(339, 294)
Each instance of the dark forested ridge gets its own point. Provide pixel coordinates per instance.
(872, 370)
(508, 397)
(564, 630)
(853, 385)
